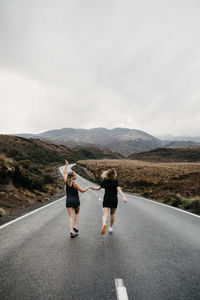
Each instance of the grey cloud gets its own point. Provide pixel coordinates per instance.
(100, 63)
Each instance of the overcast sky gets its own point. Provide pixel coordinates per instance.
(100, 63)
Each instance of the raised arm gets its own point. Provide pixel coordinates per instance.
(80, 189)
(65, 171)
(122, 194)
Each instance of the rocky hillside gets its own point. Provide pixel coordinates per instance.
(28, 170)
(169, 155)
(43, 152)
(23, 184)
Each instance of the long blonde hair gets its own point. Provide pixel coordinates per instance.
(109, 174)
(70, 175)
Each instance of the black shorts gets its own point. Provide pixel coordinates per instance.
(72, 202)
(111, 203)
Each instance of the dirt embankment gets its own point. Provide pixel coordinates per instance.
(176, 184)
(28, 170)
(23, 184)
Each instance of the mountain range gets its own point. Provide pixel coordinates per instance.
(122, 140)
(183, 138)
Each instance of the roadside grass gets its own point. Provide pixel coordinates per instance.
(175, 184)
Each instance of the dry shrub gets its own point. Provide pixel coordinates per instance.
(170, 183)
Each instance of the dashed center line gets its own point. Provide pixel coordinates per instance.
(120, 289)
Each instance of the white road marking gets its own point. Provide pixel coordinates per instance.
(36, 210)
(61, 170)
(32, 212)
(155, 202)
(120, 289)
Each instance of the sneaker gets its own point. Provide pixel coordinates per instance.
(103, 230)
(72, 235)
(75, 230)
(110, 229)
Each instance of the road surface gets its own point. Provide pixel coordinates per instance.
(154, 249)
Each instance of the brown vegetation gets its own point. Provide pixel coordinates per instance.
(177, 184)
(44, 153)
(23, 184)
(28, 170)
(169, 155)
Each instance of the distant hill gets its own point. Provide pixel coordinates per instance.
(169, 155)
(182, 144)
(180, 138)
(42, 152)
(122, 140)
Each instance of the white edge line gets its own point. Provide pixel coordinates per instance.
(30, 213)
(120, 289)
(36, 210)
(156, 202)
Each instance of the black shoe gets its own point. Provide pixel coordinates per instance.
(75, 229)
(72, 235)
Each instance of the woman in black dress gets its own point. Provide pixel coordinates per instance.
(72, 199)
(110, 201)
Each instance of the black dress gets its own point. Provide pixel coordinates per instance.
(110, 197)
(72, 199)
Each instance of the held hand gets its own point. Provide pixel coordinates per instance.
(66, 162)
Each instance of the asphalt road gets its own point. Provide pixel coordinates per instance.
(154, 249)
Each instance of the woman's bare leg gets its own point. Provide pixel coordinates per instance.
(105, 215)
(112, 216)
(104, 219)
(77, 209)
(70, 211)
